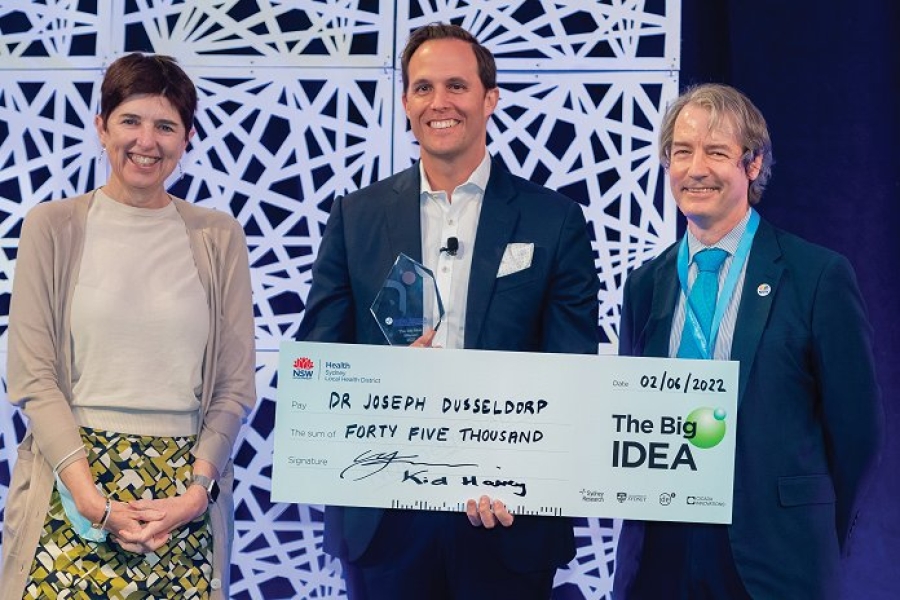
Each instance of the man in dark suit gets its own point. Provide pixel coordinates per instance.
(809, 413)
(521, 279)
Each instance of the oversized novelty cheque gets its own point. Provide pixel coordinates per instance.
(548, 434)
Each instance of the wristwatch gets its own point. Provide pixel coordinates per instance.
(207, 483)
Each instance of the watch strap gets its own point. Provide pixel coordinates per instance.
(207, 483)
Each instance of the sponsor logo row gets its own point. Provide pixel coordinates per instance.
(664, 499)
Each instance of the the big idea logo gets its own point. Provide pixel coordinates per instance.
(703, 428)
(302, 368)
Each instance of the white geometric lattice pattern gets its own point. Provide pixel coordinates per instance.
(619, 35)
(275, 149)
(261, 32)
(300, 103)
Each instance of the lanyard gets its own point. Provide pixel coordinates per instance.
(734, 272)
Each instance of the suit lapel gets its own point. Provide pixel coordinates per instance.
(404, 223)
(658, 329)
(763, 269)
(495, 228)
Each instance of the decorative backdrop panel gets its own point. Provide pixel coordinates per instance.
(582, 35)
(304, 33)
(300, 103)
(274, 148)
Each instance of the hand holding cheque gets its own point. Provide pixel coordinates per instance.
(483, 512)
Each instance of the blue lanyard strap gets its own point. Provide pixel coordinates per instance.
(734, 273)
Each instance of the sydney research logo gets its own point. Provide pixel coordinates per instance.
(591, 495)
(302, 368)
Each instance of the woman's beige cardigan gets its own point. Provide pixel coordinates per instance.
(40, 380)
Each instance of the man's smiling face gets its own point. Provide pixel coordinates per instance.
(447, 105)
(706, 171)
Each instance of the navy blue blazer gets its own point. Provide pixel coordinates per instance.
(549, 307)
(809, 422)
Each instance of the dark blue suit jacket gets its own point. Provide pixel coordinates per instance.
(549, 307)
(809, 419)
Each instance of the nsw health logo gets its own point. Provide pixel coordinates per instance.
(302, 368)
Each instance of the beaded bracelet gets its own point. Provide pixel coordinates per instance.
(106, 512)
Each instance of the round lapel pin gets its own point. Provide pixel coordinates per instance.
(764, 290)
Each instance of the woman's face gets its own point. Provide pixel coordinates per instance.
(144, 139)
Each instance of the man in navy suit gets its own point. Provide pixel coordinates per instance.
(809, 422)
(521, 279)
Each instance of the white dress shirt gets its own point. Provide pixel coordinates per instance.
(443, 219)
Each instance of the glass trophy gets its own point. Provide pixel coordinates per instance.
(408, 303)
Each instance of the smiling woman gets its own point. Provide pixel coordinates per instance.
(145, 124)
(144, 140)
(131, 352)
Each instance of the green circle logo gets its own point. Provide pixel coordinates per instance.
(709, 426)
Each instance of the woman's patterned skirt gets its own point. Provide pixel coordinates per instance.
(126, 467)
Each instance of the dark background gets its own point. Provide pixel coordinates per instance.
(826, 75)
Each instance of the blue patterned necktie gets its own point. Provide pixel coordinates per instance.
(702, 300)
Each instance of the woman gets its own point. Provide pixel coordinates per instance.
(131, 352)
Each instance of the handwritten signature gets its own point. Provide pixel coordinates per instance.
(369, 463)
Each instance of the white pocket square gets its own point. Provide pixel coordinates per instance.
(516, 257)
